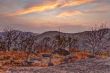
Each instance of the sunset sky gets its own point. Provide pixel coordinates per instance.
(48, 15)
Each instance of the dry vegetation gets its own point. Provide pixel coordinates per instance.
(14, 58)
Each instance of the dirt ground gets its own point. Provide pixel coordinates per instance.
(92, 65)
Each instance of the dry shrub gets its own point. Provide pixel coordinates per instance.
(57, 56)
(45, 51)
(81, 55)
(57, 61)
(36, 64)
(44, 65)
(102, 54)
(72, 50)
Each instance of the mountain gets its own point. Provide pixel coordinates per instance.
(81, 36)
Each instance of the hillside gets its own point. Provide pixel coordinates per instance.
(38, 38)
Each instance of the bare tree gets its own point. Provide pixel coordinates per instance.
(96, 39)
(72, 42)
(27, 45)
(61, 41)
(9, 38)
(2, 44)
(46, 42)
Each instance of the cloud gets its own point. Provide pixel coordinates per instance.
(69, 13)
(49, 5)
(39, 8)
(75, 2)
(98, 9)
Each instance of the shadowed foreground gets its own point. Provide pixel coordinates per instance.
(83, 66)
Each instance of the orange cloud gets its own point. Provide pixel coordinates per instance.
(49, 6)
(70, 13)
(39, 8)
(75, 2)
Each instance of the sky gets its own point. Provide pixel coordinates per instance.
(48, 15)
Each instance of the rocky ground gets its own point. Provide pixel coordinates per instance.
(84, 66)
